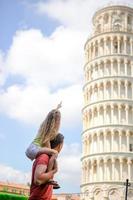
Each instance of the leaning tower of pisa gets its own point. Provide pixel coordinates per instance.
(107, 138)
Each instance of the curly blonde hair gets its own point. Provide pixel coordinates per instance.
(50, 127)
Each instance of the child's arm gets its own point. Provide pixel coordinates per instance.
(41, 176)
(52, 164)
(47, 151)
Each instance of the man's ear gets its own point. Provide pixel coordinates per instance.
(60, 146)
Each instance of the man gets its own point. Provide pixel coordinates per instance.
(40, 189)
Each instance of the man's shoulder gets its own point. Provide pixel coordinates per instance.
(42, 159)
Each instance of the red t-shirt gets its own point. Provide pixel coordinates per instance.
(43, 191)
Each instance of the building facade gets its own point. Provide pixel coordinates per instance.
(14, 188)
(107, 138)
(24, 190)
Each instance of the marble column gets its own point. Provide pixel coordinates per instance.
(125, 45)
(126, 67)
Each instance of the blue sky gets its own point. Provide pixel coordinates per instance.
(15, 133)
(41, 64)
(17, 14)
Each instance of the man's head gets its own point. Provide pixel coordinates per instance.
(57, 143)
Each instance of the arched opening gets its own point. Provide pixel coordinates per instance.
(101, 143)
(115, 67)
(108, 90)
(101, 91)
(98, 195)
(96, 49)
(130, 115)
(108, 114)
(109, 170)
(122, 90)
(116, 141)
(123, 145)
(95, 171)
(132, 170)
(101, 116)
(130, 90)
(108, 68)
(89, 166)
(115, 45)
(108, 45)
(115, 89)
(102, 69)
(91, 74)
(129, 68)
(98, 28)
(101, 47)
(123, 114)
(115, 118)
(95, 93)
(91, 96)
(122, 68)
(121, 45)
(95, 144)
(91, 145)
(95, 117)
(125, 170)
(117, 169)
(101, 170)
(114, 194)
(130, 194)
(129, 22)
(106, 18)
(108, 142)
(90, 117)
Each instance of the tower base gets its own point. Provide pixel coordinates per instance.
(104, 191)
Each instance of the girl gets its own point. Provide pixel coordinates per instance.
(41, 144)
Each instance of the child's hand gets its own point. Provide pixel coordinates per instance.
(59, 105)
(55, 153)
(56, 167)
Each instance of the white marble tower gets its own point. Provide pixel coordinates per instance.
(107, 138)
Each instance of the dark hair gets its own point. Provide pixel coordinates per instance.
(57, 140)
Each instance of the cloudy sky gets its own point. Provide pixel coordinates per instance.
(41, 64)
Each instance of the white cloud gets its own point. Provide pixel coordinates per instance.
(9, 174)
(70, 166)
(54, 61)
(76, 14)
(52, 70)
(3, 70)
(30, 104)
